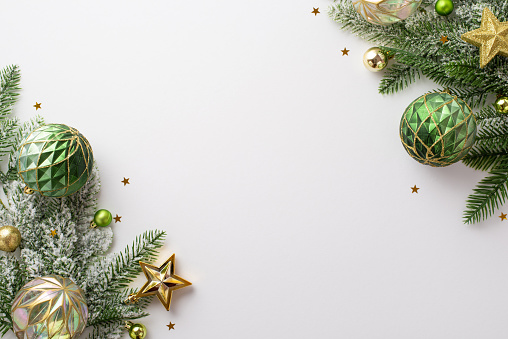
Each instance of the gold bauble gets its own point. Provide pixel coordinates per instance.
(501, 105)
(10, 238)
(374, 59)
(136, 331)
(385, 12)
(50, 307)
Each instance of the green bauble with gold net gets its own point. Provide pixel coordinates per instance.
(55, 160)
(438, 129)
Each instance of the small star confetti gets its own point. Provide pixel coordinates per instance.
(444, 39)
(171, 326)
(125, 181)
(414, 189)
(37, 105)
(502, 216)
(315, 11)
(53, 233)
(345, 51)
(117, 219)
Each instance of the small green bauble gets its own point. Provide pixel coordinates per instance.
(55, 160)
(444, 7)
(136, 331)
(501, 105)
(438, 129)
(102, 218)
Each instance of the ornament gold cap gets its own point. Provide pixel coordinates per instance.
(93, 224)
(129, 324)
(131, 299)
(28, 190)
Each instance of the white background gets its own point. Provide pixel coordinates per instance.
(271, 161)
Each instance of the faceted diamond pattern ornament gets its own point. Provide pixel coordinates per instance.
(55, 160)
(50, 307)
(385, 12)
(438, 129)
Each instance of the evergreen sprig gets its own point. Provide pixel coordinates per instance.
(76, 251)
(417, 50)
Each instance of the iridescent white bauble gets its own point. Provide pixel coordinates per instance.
(385, 12)
(50, 307)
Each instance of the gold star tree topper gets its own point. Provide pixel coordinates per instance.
(491, 37)
(161, 281)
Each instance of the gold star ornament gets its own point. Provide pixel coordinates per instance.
(444, 39)
(37, 105)
(315, 11)
(503, 216)
(171, 326)
(414, 189)
(125, 181)
(345, 51)
(161, 281)
(491, 37)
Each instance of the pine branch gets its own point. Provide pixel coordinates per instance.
(11, 280)
(489, 194)
(398, 77)
(10, 77)
(113, 273)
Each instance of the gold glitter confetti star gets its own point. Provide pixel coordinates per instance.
(315, 11)
(53, 233)
(125, 181)
(117, 219)
(491, 37)
(171, 326)
(502, 216)
(37, 105)
(414, 189)
(345, 51)
(161, 281)
(444, 39)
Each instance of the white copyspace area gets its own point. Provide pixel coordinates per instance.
(273, 164)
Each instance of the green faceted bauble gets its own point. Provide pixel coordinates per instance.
(50, 307)
(444, 7)
(438, 129)
(55, 160)
(102, 218)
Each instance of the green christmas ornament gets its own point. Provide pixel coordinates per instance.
(438, 129)
(55, 160)
(101, 218)
(501, 105)
(136, 331)
(444, 7)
